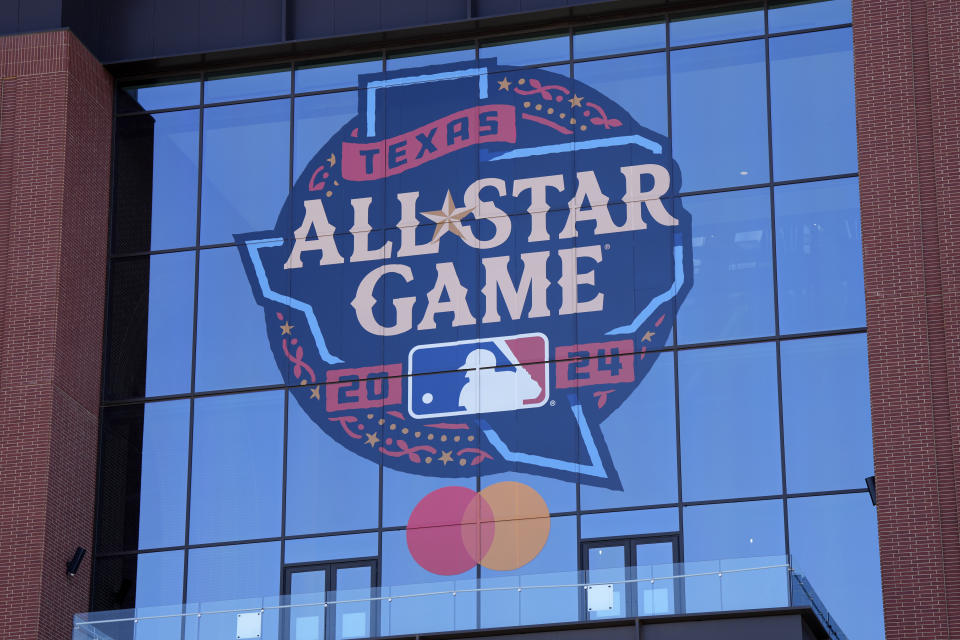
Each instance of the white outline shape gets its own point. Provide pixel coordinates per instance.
(300, 305)
(660, 299)
(566, 147)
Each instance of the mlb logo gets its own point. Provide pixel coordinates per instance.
(479, 376)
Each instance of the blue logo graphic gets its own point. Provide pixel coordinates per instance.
(475, 271)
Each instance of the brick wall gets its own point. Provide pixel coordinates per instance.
(55, 130)
(907, 65)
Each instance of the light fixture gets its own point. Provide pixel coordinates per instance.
(74, 565)
(872, 488)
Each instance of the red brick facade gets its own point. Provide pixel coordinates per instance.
(55, 130)
(907, 64)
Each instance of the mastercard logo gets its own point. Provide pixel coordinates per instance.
(501, 527)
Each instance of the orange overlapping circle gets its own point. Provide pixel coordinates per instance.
(502, 527)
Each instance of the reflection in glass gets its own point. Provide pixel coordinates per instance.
(353, 619)
(409, 60)
(812, 105)
(243, 86)
(143, 485)
(336, 75)
(826, 413)
(237, 467)
(636, 83)
(156, 181)
(729, 424)
(326, 548)
(527, 52)
(307, 622)
(350, 499)
(159, 95)
(246, 168)
(232, 346)
(619, 39)
(717, 26)
(608, 564)
(819, 256)
(732, 293)
(724, 145)
(627, 523)
(150, 326)
(805, 14)
(150, 580)
(316, 119)
(833, 542)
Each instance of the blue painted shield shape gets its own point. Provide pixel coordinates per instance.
(477, 269)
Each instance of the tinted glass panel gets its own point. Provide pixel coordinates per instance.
(354, 618)
(732, 294)
(807, 13)
(729, 424)
(246, 168)
(160, 95)
(617, 524)
(155, 206)
(725, 145)
(724, 26)
(602, 42)
(242, 86)
(833, 541)
(636, 83)
(812, 105)
(237, 467)
(826, 413)
(428, 58)
(609, 564)
(145, 580)
(334, 76)
(317, 118)
(819, 256)
(143, 485)
(526, 52)
(325, 548)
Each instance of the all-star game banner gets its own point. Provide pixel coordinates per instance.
(475, 271)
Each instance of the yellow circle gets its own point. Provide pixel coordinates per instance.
(521, 525)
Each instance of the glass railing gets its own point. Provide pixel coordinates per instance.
(482, 603)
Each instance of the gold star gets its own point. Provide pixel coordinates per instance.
(285, 328)
(504, 85)
(315, 393)
(448, 218)
(372, 439)
(575, 101)
(332, 159)
(647, 337)
(445, 457)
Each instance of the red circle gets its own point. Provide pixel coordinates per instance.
(448, 529)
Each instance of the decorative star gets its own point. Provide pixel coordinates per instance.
(647, 337)
(315, 393)
(372, 439)
(332, 159)
(504, 85)
(445, 457)
(448, 218)
(575, 101)
(285, 328)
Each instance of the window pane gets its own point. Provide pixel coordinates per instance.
(619, 39)
(242, 86)
(725, 145)
(150, 326)
(732, 292)
(812, 105)
(642, 439)
(325, 548)
(143, 476)
(617, 524)
(729, 424)
(158, 95)
(335, 75)
(145, 580)
(246, 168)
(156, 181)
(232, 346)
(316, 119)
(353, 618)
(636, 83)
(527, 52)
(805, 14)
(826, 413)
(833, 541)
(427, 58)
(237, 467)
(315, 460)
(609, 564)
(819, 256)
(721, 26)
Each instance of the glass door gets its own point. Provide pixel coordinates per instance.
(330, 601)
(639, 571)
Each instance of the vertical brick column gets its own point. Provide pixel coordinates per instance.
(907, 67)
(55, 130)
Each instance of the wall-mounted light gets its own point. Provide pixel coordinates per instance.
(74, 565)
(872, 488)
